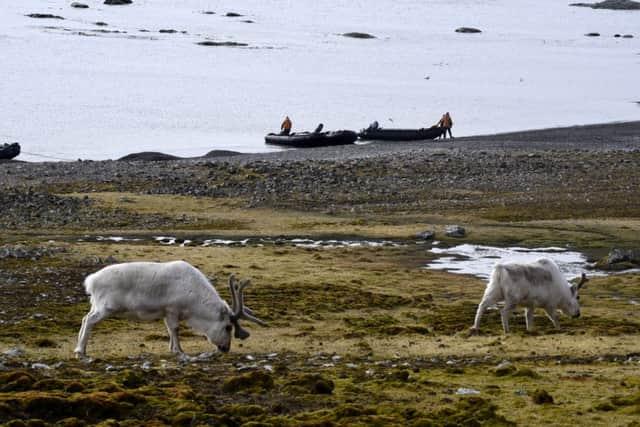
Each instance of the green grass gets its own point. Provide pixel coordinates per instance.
(400, 332)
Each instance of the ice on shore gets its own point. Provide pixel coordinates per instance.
(72, 89)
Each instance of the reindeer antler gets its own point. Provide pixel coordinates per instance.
(583, 280)
(239, 311)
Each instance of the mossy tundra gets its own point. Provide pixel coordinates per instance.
(357, 335)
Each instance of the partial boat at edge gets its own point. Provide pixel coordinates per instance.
(9, 151)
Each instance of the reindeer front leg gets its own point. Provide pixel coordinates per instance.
(506, 311)
(172, 321)
(552, 314)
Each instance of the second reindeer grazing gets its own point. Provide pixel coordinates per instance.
(536, 284)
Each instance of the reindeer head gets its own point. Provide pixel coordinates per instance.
(572, 307)
(219, 332)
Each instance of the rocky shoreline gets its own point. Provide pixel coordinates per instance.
(589, 169)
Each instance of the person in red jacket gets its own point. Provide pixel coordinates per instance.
(446, 123)
(285, 127)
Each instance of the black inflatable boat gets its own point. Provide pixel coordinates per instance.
(9, 151)
(382, 134)
(312, 139)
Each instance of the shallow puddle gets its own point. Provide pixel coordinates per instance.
(479, 260)
(300, 242)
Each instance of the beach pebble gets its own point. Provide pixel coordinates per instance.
(464, 391)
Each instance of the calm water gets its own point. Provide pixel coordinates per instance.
(70, 92)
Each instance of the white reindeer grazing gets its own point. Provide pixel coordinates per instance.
(174, 291)
(537, 284)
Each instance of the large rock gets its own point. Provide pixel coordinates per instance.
(612, 4)
(221, 153)
(357, 35)
(149, 156)
(623, 255)
(44, 16)
(468, 30)
(620, 259)
(228, 44)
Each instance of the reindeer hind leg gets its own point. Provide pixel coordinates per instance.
(88, 322)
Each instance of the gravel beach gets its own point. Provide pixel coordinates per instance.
(590, 169)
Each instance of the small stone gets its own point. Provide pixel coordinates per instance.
(455, 231)
(41, 366)
(504, 368)
(206, 355)
(243, 368)
(426, 235)
(14, 352)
